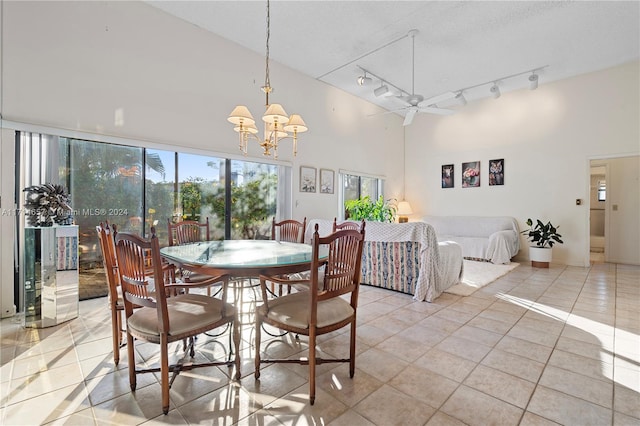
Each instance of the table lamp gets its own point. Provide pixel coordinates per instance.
(404, 209)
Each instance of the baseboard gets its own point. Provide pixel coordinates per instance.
(9, 312)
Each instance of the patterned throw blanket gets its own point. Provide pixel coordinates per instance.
(405, 257)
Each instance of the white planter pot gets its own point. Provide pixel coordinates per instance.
(540, 256)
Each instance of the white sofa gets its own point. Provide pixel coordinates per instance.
(495, 239)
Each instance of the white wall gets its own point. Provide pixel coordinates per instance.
(546, 137)
(73, 65)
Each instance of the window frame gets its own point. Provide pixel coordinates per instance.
(342, 181)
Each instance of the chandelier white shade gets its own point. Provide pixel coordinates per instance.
(278, 125)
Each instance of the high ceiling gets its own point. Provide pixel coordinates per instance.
(458, 45)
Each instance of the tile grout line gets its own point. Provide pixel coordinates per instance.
(461, 383)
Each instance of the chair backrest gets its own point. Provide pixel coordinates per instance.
(345, 225)
(188, 231)
(288, 230)
(106, 237)
(141, 285)
(341, 268)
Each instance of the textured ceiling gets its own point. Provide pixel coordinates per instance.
(459, 44)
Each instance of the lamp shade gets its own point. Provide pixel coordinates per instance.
(241, 115)
(296, 123)
(274, 113)
(404, 208)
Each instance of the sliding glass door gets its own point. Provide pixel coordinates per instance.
(137, 188)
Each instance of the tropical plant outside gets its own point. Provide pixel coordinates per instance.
(110, 182)
(364, 208)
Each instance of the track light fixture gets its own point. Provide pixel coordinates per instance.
(389, 89)
(363, 80)
(495, 91)
(379, 91)
(533, 81)
(460, 98)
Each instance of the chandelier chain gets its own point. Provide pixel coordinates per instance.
(267, 82)
(278, 125)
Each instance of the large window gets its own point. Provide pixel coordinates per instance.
(137, 188)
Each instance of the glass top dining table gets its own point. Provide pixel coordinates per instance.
(245, 258)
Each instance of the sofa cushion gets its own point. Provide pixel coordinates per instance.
(470, 226)
(491, 238)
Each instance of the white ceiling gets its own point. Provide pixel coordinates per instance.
(459, 44)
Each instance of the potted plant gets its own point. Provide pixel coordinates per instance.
(544, 236)
(364, 208)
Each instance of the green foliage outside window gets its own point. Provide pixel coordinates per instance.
(365, 208)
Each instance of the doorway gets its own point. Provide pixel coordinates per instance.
(597, 212)
(614, 185)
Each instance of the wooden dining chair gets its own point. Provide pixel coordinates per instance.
(345, 225)
(288, 230)
(116, 303)
(191, 231)
(167, 314)
(106, 236)
(323, 308)
(188, 231)
(291, 231)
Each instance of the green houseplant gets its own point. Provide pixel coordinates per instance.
(365, 208)
(544, 235)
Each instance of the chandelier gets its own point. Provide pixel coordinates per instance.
(277, 124)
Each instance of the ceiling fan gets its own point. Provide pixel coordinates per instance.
(417, 103)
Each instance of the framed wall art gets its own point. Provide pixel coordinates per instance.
(447, 176)
(307, 179)
(471, 174)
(326, 181)
(496, 172)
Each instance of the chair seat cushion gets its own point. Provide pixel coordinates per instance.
(188, 313)
(293, 310)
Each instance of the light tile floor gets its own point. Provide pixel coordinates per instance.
(535, 347)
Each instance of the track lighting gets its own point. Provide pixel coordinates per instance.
(458, 96)
(533, 81)
(363, 80)
(379, 91)
(495, 91)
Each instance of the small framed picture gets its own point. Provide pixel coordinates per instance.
(447, 176)
(471, 174)
(496, 172)
(307, 179)
(326, 181)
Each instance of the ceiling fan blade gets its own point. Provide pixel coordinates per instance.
(435, 110)
(408, 119)
(403, 99)
(387, 112)
(434, 100)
